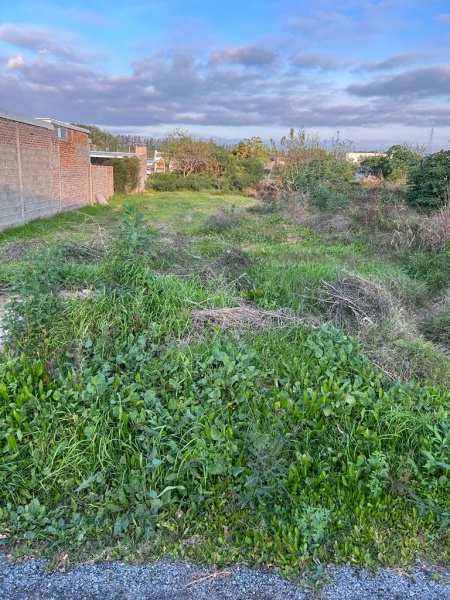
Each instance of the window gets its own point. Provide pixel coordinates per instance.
(60, 132)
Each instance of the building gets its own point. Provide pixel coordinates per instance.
(358, 157)
(45, 167)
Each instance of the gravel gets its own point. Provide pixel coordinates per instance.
(35, 580)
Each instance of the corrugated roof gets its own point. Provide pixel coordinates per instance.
(104, 154)
(62, 124)
(12, 116)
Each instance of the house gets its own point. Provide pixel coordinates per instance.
(358, 157)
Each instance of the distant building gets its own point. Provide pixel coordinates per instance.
(159, 163)
(358, 157)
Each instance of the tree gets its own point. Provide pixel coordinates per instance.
(304, 162)
(186, 155)
(254, 147)
(393, 165)
(429, 182)
(202, 164)
(100, 139)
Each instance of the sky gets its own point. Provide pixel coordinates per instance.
(376, 71)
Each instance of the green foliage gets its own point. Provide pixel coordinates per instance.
(101, 139)
(324, 197)
(125, 420)
(168, 182)
(280, 454)
(429, 182)
(395, 164)
(305, 163)
(254, 147)
(126, 174)
(431, 267)
(163, 182)
(327, 172)
(198, 164)
(244, 173)
(127, 143)
(436, 324)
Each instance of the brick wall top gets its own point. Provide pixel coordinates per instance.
(11, 116)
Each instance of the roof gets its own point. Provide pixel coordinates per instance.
(103, 154)
(62, 124)
(7, 114)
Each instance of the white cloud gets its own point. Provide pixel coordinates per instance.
(16, 62)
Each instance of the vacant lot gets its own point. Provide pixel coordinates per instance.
(209, 376)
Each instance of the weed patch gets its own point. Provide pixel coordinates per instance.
(175, 388)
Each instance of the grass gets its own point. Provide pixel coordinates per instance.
(129, 431)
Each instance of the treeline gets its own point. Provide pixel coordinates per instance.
(300, 163)
(105, 141)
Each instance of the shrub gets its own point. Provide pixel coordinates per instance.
(393, 165)
(324, 197)
(327, 171)
(305, 162)
(163, 182)
(126, 174)
(197, 182)
(429, 182)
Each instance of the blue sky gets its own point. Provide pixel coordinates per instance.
(377, 71)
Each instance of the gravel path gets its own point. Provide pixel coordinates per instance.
(34, 580)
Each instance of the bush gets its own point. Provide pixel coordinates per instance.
(240, 173)
(324, 197)
(163, 182)
(429, 182)
(393, 165)
(199, 165)
(170, 182)
(327, 171)
(126, 174)
(197, 182)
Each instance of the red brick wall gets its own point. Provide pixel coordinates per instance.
(30, 136)
(102, 181)
(71, 169)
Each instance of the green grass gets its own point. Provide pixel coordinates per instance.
(184, 211)
(128, 430)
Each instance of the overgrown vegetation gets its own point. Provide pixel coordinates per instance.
(429, 183)
(395, 164)
(195, 164)
(258, 381)
(126, 174)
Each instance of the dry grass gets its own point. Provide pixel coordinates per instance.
(353, 301)
(225, 218)
(241, 318)
(434, 231)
